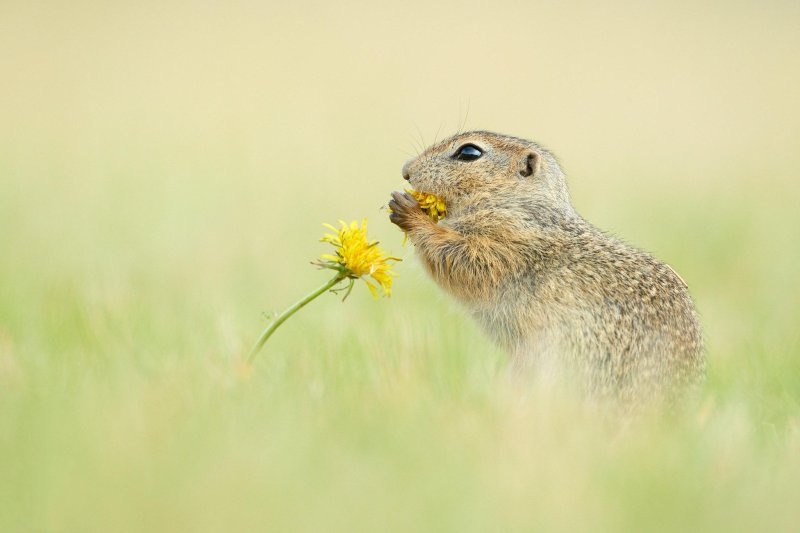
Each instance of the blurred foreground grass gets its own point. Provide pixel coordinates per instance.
(164, 171)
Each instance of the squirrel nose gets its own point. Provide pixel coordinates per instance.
(406, 173)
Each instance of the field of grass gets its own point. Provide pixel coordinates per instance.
(164, 173)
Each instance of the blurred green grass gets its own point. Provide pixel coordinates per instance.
(164, 170)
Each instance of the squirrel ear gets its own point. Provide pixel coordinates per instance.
(529, 164)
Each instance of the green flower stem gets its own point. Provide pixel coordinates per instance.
(289, 312)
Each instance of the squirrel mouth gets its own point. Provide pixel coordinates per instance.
(432, 205)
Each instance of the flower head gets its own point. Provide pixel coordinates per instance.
(357, 258)
(432, 205)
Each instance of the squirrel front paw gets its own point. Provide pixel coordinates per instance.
(406, 212)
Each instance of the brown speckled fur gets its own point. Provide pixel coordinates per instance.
(554, 291)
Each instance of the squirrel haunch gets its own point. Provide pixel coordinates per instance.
(549, 287)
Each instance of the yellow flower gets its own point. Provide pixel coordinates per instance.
(432, 205)
(357, 258)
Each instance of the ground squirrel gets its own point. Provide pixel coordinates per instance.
(546, 285)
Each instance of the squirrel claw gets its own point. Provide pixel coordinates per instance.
(403, 199)
(404, 209)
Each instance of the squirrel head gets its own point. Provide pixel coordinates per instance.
(488, 172)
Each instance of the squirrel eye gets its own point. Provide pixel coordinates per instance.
(468, 152)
